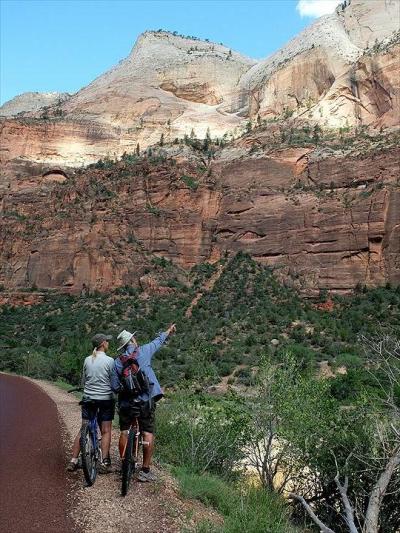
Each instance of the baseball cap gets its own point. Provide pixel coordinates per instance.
(99, 338)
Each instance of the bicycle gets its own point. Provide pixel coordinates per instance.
(90, 442)
(130, 454)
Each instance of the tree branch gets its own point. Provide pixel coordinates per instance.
(313, 516)
(346, 502)
(378, 492)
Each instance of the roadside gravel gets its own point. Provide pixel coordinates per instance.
(148, 507)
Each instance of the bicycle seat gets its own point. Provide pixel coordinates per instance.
(87, 401)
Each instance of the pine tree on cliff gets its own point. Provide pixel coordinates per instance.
(316, 134)
(138, 149)
(207, 140)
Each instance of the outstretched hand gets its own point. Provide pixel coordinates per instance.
(171, 329)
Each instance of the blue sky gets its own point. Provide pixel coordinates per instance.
(62, 45)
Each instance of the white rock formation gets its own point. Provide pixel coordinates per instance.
(333, 73)
(28, 102)
(168, 81)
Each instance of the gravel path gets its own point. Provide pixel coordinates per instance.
(148, 508)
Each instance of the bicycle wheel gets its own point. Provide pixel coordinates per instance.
(89, 456)
(128, 462)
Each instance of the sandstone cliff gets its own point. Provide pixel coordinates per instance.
(339, 72)
(316, 74)
(324, 214)
(325, 219)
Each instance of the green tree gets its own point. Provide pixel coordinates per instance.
(317, 134)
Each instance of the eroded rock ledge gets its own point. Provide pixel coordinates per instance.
(327, 222)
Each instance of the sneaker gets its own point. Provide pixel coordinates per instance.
(146, 477)
(72, 466)
(104, 468)
(107, 461)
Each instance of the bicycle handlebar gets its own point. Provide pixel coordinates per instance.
(76, 389)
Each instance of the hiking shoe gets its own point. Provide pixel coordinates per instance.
(146, 477)
(107, 461)
(104, 468)
(72, 466)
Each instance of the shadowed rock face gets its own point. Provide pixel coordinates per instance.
(327, 222)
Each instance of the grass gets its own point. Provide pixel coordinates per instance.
(243, 507)
(64, 385)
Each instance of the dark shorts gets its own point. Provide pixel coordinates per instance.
(144, 411)
(106, 410)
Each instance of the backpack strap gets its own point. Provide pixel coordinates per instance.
(128, 361)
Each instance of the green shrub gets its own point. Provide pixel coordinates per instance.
(191, 182)
(243, 507)
(202, 433)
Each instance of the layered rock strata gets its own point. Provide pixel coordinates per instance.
(326, 222)
(341, 71)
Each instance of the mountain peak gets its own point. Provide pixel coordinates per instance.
(186, 44)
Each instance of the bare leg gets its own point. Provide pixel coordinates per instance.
(123, 439)
(105, 438)
(148, 448)
(76, 446)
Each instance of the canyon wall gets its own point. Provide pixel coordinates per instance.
(326, 222)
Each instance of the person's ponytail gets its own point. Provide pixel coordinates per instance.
(94, 353)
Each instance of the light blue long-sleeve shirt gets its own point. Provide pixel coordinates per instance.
(144, 357)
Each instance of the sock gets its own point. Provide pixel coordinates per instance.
(74, 460)
(145, 469)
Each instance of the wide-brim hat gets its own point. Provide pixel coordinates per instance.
(125, 337)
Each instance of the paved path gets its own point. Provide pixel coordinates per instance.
(33, 484)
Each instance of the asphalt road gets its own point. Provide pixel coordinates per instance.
(33, 482)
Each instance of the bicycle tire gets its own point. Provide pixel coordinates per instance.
(128, 463)
(88, 454)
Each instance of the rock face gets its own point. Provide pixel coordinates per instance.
(316, 75)
(328, 222)
(165, 78)
(326, 217)
(100, 233)
(339, 72)
(314, 222)
(31, 102)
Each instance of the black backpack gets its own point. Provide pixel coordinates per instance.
(133, 380)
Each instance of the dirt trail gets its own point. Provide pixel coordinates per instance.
(148, 508)
(208, 286)
(34, 485)
(223, 385)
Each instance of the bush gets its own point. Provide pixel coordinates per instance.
(190, 182)
(202, 433)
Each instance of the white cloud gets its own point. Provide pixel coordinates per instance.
(316, 8)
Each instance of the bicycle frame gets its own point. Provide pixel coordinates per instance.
(94, 431)
(90, 429)
(91, 453)
(134, 427)
(130, 454)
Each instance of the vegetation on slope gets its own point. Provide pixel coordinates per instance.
(259, 345)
